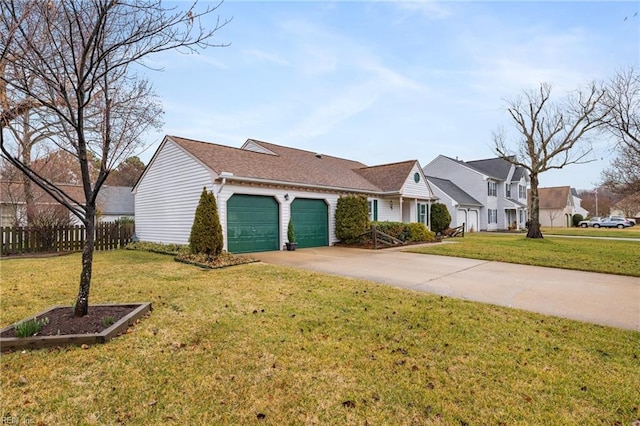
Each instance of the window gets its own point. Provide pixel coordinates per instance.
(522, 191)
(373, 210)
(493, 189)
(416, 177)
(521, 216)
(507, 190)
(422, 213)
(492, 216)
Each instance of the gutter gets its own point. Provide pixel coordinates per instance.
(304, 185)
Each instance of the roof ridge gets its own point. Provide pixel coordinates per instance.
(389, 164)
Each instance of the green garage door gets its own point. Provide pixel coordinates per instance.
(252, 224)
(310, 222)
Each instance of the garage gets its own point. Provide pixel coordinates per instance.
(252, 224)
(462, 219)
(311, 222)
(473, 223)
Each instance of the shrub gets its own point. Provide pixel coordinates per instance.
(206, 231)
(576, 219)
(291, 234)
(440, 217)
(408, 232)
(171, 249)
(352, 218)
(125, 220)
(418, 232)
(396, 230)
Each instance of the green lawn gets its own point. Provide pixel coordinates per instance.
(260, 344)
(633, 232)
(584, 254)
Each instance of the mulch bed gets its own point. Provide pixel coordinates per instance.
(63, 322)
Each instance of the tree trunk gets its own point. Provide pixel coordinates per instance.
(82, 301)
(534, 221)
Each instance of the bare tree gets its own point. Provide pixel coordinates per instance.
(552, 135)
(622, 102)
(75, 60)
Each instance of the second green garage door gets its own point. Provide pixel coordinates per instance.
(252, 224)
(310, 222)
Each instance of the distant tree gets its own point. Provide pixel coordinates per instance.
(73, 62)
(629, 205)
(606, 199)
(440, 217)
(206, 231)
(552, 135)
(127, 172)
(622, 104)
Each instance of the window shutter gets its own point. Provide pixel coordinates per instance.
(375, 210)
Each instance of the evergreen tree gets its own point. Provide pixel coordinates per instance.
(206, 232)
(440, 217)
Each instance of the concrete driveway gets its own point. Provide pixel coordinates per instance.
(584, 296)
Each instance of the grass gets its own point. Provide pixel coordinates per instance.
(594, 255)
(273, 345)
(633, 232)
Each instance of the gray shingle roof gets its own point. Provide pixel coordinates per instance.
(495, 167)
(454, 191)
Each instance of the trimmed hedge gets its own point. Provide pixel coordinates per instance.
(407, 232)
(352, 218)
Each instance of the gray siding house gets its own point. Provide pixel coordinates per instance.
(499, 187)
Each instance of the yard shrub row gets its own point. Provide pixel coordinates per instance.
(408, 232)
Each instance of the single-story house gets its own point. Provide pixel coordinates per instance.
(260, 186)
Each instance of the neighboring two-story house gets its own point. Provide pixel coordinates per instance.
(494, 188)
(558, 204)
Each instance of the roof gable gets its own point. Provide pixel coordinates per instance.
(555, 197)
(388, 177)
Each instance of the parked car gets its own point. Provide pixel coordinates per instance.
(613, 222)
(632, 221)
(590, 222)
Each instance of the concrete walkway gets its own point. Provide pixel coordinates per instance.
(584, 296)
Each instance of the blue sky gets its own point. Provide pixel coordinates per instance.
(380, 82)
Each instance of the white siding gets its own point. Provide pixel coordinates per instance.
(230, 189)
(389, 210)
(168, 194)
(419, 190)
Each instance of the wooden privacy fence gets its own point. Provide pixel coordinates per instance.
(20, 240)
